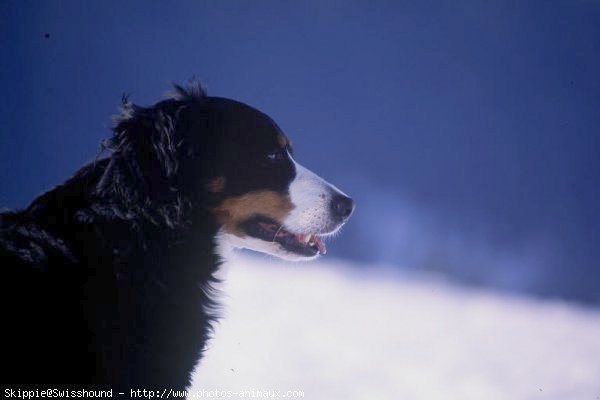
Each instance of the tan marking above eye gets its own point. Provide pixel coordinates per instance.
(232, 211)
(216, 185)
(283, 141)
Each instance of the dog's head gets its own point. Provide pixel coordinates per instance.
(240, 163)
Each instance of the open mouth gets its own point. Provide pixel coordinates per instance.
(307, 245)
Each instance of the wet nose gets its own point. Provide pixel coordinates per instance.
(342, 206)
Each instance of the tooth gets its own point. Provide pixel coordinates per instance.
(307, 238)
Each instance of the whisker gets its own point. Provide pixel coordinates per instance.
(278, 230)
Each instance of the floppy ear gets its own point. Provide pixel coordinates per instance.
(144, 163)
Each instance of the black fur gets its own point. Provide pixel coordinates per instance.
(107, 278)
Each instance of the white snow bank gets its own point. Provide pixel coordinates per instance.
(338, 333)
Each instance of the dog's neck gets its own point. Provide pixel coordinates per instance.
(169, 239)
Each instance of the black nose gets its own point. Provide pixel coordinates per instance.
(342, 206)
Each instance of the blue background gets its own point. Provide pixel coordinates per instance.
(467, 131)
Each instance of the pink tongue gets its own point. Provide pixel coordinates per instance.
(320, 245)
(316, 240)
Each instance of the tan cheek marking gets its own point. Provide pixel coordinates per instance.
(231, 212)
(217, 185)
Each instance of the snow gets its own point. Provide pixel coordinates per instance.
(339, 332)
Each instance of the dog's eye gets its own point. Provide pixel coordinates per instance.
(276, 156)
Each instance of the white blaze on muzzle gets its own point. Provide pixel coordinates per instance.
(311, 196)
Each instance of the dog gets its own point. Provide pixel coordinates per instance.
(108, 278)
